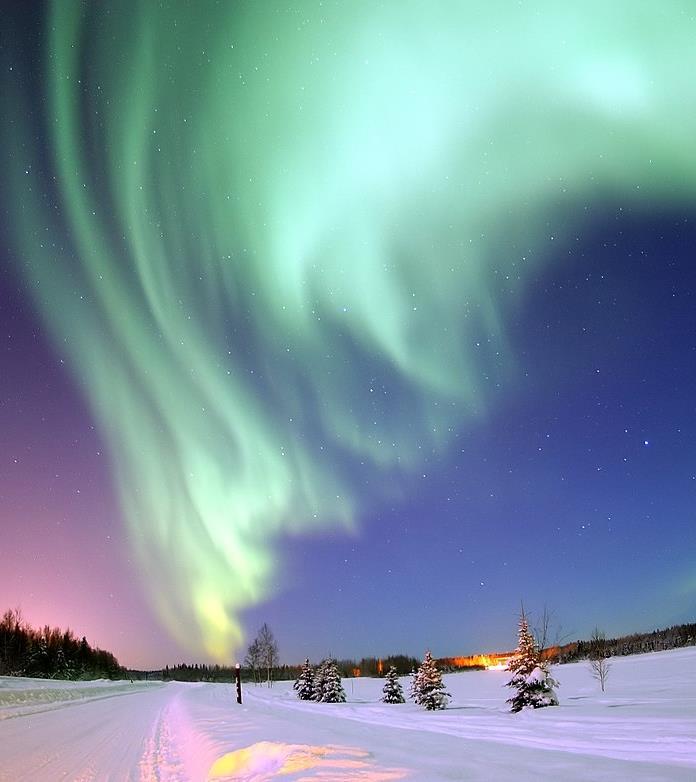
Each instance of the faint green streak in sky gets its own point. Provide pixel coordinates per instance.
(283, 241)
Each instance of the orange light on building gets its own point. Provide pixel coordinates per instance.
(491, 662)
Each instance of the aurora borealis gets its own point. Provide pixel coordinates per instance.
(286, 248)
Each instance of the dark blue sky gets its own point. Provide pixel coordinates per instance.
(578, 491)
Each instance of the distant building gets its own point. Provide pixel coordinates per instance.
(494, 661)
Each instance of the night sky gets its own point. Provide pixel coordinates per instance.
(365, 320)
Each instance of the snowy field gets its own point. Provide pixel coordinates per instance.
(642, 728)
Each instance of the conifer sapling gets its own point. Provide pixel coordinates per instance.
(332, 689)
(304, 684)
(427, 687)
(392, 692)
(530, 673)
(318, 681)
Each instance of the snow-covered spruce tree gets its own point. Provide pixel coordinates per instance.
(413, 686)
(319, 675)
(392, 692)
(304, 684)
(332, 689)
(429, 690)
(530, 674)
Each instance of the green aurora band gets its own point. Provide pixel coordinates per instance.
(280, 241)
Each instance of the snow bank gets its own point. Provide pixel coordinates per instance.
(20, 696)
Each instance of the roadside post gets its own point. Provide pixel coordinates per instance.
(238, 679)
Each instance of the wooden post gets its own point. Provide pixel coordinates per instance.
(238, 678)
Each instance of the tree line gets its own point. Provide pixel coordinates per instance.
(637, 643)
(378, 666)
(261, 660)
(256, 671)
(51, 653)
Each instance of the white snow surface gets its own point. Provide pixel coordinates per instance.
(642, 728)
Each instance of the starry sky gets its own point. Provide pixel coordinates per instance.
(365, 320)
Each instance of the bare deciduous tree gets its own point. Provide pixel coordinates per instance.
(253, 660)
(542, 629)
(268, 651)
(599, 657)
(548, 632)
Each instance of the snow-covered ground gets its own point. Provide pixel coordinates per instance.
(642, 728)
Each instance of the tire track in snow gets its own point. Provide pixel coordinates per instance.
(161, 761)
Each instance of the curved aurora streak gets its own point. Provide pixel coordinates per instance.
(265, 217)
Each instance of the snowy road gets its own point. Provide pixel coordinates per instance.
(644, 730)
(117, 736)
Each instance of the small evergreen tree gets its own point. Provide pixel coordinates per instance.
(318, 676)
(332, 689)
(413, 685)
(392, 692)
(63, 667)
(304, 684)
(427, 688)
(40, 662)
(530, 674)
